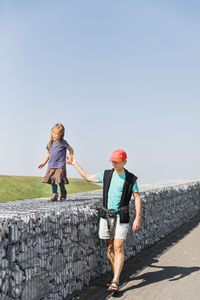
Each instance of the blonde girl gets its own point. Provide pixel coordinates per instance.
(56, 158)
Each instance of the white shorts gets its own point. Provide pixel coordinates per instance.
(121, 229)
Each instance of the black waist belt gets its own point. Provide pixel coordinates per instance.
(111, 213)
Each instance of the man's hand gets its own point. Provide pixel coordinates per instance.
(136, 225)
(83, 173)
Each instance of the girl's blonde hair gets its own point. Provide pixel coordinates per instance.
(60, 130)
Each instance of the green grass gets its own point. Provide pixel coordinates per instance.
(14, 188)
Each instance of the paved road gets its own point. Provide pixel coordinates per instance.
(170, 270)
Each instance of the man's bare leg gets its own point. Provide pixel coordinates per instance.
(110, 252)
(118, 260)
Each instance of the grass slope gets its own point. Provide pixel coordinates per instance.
(14, 188)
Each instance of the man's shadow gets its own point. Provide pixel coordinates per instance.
(172, 273)
(149, 259)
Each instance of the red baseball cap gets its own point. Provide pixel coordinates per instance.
(118, 155)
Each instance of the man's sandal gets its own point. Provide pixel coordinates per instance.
(114, 287)
(108, 284)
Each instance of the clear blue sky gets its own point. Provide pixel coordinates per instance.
(117, 74)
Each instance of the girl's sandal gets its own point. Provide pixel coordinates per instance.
(53, 198)
(114, 287)
(63, 195)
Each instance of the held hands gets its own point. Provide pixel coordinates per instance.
(136, 225)
(70, 160)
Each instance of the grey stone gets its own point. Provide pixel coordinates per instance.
(18, 276)
(2, 252)
(12, 253)
(5, 286)
(16, 292)
(4, 263)
(14, 233)
(58, 262)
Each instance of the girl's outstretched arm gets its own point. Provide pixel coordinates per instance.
(45, 161)
(83, 173)
(71, 153)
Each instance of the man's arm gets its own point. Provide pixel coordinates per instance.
(83, 173)
(138, 208)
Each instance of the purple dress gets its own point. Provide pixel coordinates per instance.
(56, 172)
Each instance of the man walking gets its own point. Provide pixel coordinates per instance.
(118, 187)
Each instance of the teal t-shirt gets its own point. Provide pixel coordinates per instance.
(116, 188)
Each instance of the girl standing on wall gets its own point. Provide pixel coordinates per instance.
(56, 155)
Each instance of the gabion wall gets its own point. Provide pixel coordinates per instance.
(52, 250)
